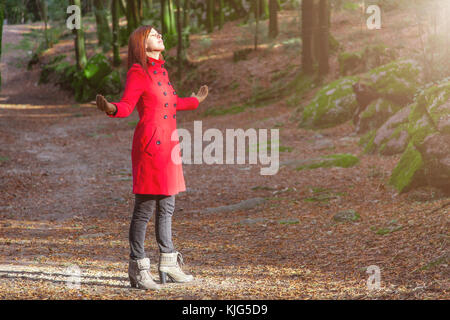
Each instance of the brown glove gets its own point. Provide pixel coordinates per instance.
(104, 105)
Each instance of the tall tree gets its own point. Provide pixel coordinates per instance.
(180, 40)
(133, 15)
(103, 30)
(315, 32)
(2, 16)
(221, 14)
(43, 12)
(307, 32)
(256, 6)
(324, 37)
(186, 13)
(80, 50)
(115, 12)
(273, 18)
(210, 15)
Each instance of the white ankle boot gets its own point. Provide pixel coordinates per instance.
(139, 274)
(168, 266)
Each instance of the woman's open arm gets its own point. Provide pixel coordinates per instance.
(134, 87)
(188, 103)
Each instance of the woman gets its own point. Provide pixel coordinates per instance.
(155, 154)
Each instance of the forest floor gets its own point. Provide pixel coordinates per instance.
(66, 201)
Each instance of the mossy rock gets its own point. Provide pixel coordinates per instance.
(420, 124)
(435, 100)
(343, 160)
(397, 81)
(334, 104)
(409, 171)
(96, 69)
(366, 141)
(393, 137)
(376, 113)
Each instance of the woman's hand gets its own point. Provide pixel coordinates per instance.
(104, 105)
(201, 94)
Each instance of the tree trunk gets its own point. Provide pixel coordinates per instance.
(307, 32)
(42, 5)
(115, 7)
(173, 26)
(186, 11)
(315, 33)
(180, 40)
(324, 39)
(2, 17)
(256, 2)
(273, 19)
(103, 31)
(210, 15)
(221, 14)
(80, 50)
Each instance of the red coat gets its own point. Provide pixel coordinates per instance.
(155, 157)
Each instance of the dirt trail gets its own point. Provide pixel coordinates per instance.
(66, 201)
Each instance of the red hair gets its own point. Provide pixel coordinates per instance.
(136, 47)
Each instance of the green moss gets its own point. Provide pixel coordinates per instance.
(420, 125)
(435, 101)
(343, 160)
(367, 141)
(407, 170)
(380, 106)
(397, 80)
(334, 104)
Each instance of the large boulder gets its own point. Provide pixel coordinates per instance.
(384, 90)
(376, 113)
(392, 137)
(397, 81)
(426, 160)
(334, 104)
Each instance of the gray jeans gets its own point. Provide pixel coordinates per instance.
(143, 210)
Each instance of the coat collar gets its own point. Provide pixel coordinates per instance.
(156, 61)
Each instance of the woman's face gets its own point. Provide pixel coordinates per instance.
(154, 41)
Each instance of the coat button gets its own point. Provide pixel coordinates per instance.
(174, 92)
(158, 142)
(175, 105)
(174, 116)
(169, 83)
(165, 116)
(165, 93)
(159, 83)
(162, 66)
(164, 73)
(166, 104)
(153, 63)
(155, 72)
